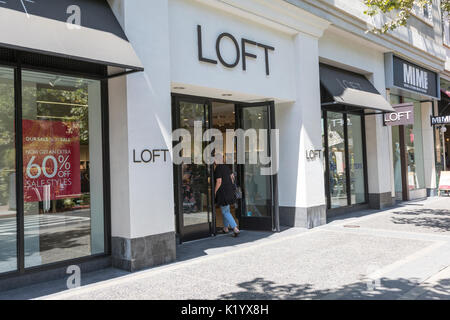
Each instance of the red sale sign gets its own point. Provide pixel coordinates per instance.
(51, 160)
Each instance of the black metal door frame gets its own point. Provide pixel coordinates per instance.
(198, 231)
(272, 222)
(347, 155)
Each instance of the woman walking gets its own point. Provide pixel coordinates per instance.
(224, 193)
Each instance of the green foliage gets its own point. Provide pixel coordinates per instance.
(76, 110)
(79, 96)
(402, 10)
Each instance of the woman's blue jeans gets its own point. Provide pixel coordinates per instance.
(228, 220)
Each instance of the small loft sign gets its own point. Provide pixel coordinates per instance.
(403, 115)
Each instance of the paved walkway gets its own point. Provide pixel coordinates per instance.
(401, 253)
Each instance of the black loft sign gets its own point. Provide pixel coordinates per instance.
(150, 155)
(440, 120)
(407, 75)
(241, 51)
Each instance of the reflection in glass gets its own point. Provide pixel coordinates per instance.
(324, 159)
(336, 159)
(257, 187)
(63, 168)
(356, 157)
(439, 150)
(396, 145)
(195, 186)
(223, 119)
(414, 149)
(8, 222)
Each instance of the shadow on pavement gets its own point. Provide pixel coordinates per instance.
(221, 243)
(263, 289)
(60, 285)
(436, 219)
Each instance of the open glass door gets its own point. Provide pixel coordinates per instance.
(194, 204)
(259, 205)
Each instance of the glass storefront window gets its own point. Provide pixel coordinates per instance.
(356, 157)
(257, 187)
(414, 149)
(397, 158)
(407, 142)
(439, 150)
(195, 177)
(336, 159)
(8, 218)
(62, 168)
(346, 177)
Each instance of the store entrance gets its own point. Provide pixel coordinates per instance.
(197, 215)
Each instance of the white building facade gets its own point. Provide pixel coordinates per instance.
(305, 69)
(301, 35)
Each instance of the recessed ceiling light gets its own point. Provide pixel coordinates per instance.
(179, 88)
(226, 95)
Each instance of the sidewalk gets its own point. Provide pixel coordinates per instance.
(400, 253)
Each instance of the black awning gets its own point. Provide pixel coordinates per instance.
(46, 26)
(351, 89)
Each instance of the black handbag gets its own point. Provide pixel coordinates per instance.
(237, 192)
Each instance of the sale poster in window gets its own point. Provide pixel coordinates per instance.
(51, 160)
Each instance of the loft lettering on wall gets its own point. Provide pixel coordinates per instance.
(150, 155)
(241, 51)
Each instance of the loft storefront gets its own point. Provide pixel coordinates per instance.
(54, 158)
(347, 98)
(415, 87)
(229, 75)
(197, 215)
(240, 66)
(226, 68)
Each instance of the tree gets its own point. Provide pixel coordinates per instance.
(401, 10)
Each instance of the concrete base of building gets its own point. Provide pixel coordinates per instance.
(381, 200)
(309, 217)
(335, 212)
(54, 273)
(418, 194)
(432, 192)
(140, 253)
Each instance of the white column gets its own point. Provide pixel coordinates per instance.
(301, 181)
(96, 167)
(148, 235)
(428, 148)
(379, 162)
(119, 160)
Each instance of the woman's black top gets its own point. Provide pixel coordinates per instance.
(225, 195)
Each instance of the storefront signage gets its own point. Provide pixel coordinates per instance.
(150, 155)
(51, 160)
(403, 74)
(313, 154)
(403, 115)
(241, 51)
(440, 120)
